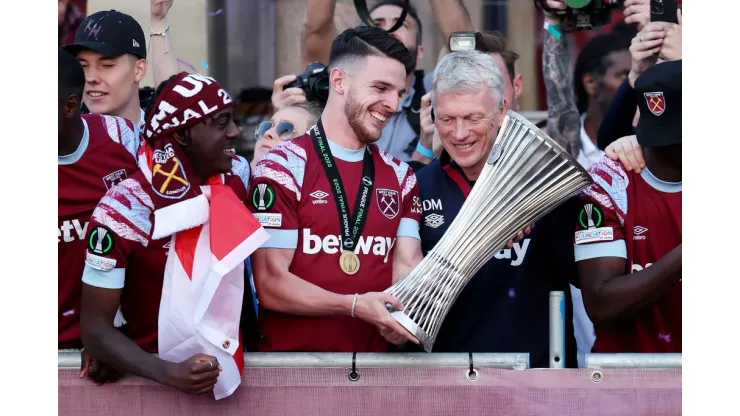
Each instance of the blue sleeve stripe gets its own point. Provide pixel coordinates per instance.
(408, 228)
(282, 239)
(616, 248)
(112, 279)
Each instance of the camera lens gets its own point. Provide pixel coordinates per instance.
(322, 88)
(657, 7)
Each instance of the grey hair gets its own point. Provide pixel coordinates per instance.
(468, 71)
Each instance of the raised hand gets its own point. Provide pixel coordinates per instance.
(159, 9)
(285, 97)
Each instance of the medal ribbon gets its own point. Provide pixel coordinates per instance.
(351, 225)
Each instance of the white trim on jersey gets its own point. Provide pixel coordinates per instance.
(408, 228)
(659, 185)
(142, 120)
(113, 279)
(616, 248)
(282, 239)
(348, 155)
(77, 154)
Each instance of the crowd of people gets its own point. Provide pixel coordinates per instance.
(171, 243)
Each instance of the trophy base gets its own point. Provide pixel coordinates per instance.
(413, 328)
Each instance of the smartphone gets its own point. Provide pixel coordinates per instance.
(664, 11)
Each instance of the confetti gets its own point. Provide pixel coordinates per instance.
(204, 64)
(665, 337)
(216, 13)
(512, 294)
(187, 64)
(69, 312)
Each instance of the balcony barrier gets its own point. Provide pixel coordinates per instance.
(385, 384)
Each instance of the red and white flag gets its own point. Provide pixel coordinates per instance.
(204, 283)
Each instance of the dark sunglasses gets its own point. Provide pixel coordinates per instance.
(283, 129)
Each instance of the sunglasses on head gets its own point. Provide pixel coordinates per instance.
(283, 129)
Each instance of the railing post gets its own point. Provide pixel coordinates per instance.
(557, 329)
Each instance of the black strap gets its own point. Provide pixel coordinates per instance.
(350, 226)
(362, 11)
(413, 111)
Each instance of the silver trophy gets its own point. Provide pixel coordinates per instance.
(526, 176)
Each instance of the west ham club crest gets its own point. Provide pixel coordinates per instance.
(655, 102)
(389, 202)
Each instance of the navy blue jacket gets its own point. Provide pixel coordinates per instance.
(505, 307)
(617, 121)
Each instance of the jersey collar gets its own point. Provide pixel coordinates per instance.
(455, 173)
(77, 154)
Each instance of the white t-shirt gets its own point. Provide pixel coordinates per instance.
(589, 153)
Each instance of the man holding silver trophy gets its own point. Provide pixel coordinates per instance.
(494, 298)
(343, 215)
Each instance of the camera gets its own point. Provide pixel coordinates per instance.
(664, 11)
(314, 81)
(583, 14)
(467, 41)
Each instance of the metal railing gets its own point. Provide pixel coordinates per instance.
(515, 361)
(404, 384)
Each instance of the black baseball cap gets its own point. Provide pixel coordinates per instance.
(658, 92)
(111, 33)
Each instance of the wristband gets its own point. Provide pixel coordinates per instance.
(554, 29)
(163, 34)
(427, 153)
(354, 302)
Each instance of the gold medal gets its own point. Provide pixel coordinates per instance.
(349, 262)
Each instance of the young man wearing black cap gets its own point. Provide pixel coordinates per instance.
(628, 233)
(112, 49)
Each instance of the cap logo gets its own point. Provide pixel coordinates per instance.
(92, 30)
(136, 44)
(655, 102)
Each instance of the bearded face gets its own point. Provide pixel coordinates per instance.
(367, 124)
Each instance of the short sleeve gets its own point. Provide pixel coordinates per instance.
(600, 220)
(120, 224)
(240, 169)
(411, 207)
(275, 193)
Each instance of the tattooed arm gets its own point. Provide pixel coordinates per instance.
(563, 119)
(451, 16)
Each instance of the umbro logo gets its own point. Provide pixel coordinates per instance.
(434, 220)
(639, 231)
(319, 197)
(136, 44)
